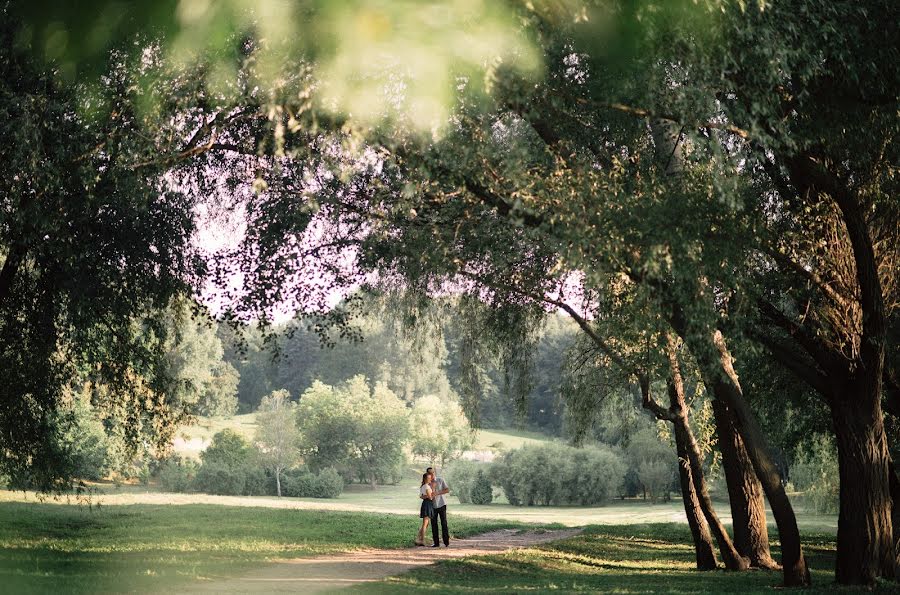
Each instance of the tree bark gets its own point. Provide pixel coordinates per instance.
(689, 452)
(895, 516)
(745, 494)
(718, 373)
(278, 482)
(703, 546)
(865, 541)
(678, 408)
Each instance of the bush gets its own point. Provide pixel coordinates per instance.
(555, 474)
(656, 476)
(329, 484)
(816, 474)
(178, 474)
(302, 483)
(461, 475)
(258, 482)
(482, 491)
(228, 449)
(222, 480)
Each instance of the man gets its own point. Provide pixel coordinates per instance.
(440, 509)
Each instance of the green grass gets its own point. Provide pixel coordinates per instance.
(497, 440)
(191, 440)
(47, 547)
(649, 558)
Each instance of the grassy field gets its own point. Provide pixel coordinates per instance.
(651, 558)
(497, 440)
(49, 547)
(191, 440)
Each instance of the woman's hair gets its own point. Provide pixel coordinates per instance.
(425, 477)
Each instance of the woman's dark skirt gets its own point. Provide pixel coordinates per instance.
(427, 510)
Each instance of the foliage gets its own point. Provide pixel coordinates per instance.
(414, 362)
(461, 475)
(815, 473)
(356, 430)
(90, 448)
(227, 448)
(652, 462)
(231, 466)
(94, 244)
(555, 474)
(178, 474)
(301, 483)
(203, 381)
(277, 435)
(482, 490)
(439, 430)
(221, 479)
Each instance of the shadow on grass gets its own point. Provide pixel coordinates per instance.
(56, 548)
(652, 558)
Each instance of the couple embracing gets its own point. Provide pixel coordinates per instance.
(434, 507)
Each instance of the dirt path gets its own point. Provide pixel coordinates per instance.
(328, 573)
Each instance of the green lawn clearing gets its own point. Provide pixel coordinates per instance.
(53, 548)
(649, 558)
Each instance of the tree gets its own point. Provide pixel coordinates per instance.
(357, 430)
(277, 434)
(381, 431)
(227, 448)
(92, 239)
(439, 429)
(203, 381)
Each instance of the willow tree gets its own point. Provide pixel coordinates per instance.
(94, 245)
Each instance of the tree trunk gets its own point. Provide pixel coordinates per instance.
(278, 482)
(745, 494)
(718, 374)
(895, 516)
(685, 436)
(865, 540)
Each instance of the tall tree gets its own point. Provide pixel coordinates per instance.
(277, 435)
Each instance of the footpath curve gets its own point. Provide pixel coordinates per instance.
(318, 574)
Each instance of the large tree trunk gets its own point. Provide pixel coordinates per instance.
(895, 516)
(718, 373)
(703, 546)
(865, 540)
(745, 494)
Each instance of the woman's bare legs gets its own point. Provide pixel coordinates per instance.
(420, 538)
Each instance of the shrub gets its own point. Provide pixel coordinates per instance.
(227, 448)
(816, 474)
(215, 478)
(178, 474)
(328, 484)
(555, 474)
(301, 483)
(461, 475)
(258, 482)
(656, 476)
(482, 491)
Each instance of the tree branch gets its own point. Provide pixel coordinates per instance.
(789, 359)
(809, 342)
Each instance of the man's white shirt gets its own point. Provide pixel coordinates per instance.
(439, 486)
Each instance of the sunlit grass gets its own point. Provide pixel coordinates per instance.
(497, 440)
(51, 548)
(651, 558)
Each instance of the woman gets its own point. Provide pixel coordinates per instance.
(426, 492)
